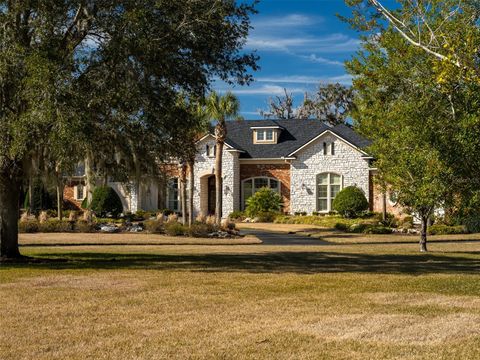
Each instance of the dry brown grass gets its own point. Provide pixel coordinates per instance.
(66, 239)
(385, 301)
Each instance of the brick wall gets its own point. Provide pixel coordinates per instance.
(69, 198)
(377, 201)
(281, 172)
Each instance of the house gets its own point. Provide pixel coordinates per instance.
(306, 161)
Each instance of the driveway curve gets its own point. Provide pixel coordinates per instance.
(278, 238)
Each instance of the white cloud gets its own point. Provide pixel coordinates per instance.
(291, 20)
(321, 60)
(344, 79)
(268, 89)
(333, 43)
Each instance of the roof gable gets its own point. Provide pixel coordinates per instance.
(295, 134)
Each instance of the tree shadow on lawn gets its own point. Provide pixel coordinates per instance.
(271, 262)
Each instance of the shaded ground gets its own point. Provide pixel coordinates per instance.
(361, 301)
(277, 238)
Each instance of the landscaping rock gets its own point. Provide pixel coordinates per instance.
(109, 228)
(135, 228)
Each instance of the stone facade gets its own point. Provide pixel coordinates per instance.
(297, 177)
(205, 167)
(311, 161)
(281, 172)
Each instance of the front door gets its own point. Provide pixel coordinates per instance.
(211, 195)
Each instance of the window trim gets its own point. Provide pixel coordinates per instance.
(279, 187)
(168, 194)
(75, 192)
(263, 133)
(329, 197)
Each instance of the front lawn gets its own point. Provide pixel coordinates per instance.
(146, 301)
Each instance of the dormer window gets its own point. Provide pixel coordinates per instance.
(266, 135)
(210, 150)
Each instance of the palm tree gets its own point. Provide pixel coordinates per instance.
(220, 109)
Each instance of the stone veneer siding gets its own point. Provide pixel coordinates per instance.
(281, 172)
(310, 162)
(205, 166)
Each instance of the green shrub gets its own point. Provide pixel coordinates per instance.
(200, 230)
(264, 200)
(154, 226)
(300, 213)
(83, 226)
(266, 217)
(167, 212)
(447, 230)
(358, 228)
(109, 221)
(377, 229)
(341, 227)
(406, 222)
(29, 226)
(85, 204)
(106, 200)
(175, 229)
(350, 202)
(237, 215)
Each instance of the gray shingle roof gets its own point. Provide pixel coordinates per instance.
(295, 133)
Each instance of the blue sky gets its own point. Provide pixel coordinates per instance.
(300, 43)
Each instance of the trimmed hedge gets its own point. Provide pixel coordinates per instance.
(350, 202)
(106, 200)
(264, 200)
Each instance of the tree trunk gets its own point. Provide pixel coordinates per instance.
(191, 185)
(30, 195)
(423, 234)
(218, 183)
(384, 206)
(60, 200)
(183, 193)
(9, 211)
(90, 176)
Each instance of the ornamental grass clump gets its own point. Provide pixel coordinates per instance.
(350, 202)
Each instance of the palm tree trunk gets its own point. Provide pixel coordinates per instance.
(60, 200)
(191, 185)
(183, 193)
(218, 183)
(90, 176)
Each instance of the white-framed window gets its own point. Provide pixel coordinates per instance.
(260, 135)
(329, 148)
(173, 194)
(210, 150)
(79, 192)
(252, 185)
(328, 186)
(265, 136)
(269, 135)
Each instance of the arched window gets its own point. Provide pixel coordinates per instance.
(328, 186)
(252, 185)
